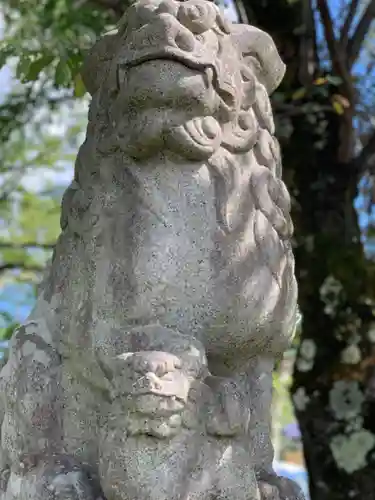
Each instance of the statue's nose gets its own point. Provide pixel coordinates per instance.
(164, 32)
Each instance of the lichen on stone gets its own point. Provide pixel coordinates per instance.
(350, 452)
(371, 333)
(304, 365)
(308, 349)
(330, 292)
(345, 399)
(306, 355)
(351, 355)
(354, 425)
(300, 399)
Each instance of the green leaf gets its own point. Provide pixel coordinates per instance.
(3, 58)
(37, 66)
(340, 103)
(7, 332)
(63, 74)
(320, 81)
(334, 80)
(321, 90)
(299, 94)
(23, 67)
(74, 61)
(79, 86)
(5, 52)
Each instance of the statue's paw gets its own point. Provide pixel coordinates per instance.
(228, 414)
(156, 390)
(273, 487)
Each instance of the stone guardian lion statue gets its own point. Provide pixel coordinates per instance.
(144, 371)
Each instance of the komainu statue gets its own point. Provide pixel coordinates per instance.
(144, 371)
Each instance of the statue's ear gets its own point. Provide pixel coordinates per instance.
(97, 62)
(260, 50)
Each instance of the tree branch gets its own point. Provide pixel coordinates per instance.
(328, 29)
(27, 245)
(8, 266)
(356, 41)
(347, 89)
(241, 11)
(287, 110)
(308, 55)
(365, 160)
(335, 51)
(344, 36)
(20, 265)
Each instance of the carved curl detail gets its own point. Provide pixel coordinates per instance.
(197, 139)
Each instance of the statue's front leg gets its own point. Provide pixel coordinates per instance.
(246, 397)
(228, 412)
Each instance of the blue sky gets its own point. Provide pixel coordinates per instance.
(5, 72)
(17, 301)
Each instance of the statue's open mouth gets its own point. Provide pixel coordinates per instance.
(191, 64)
(225, 92)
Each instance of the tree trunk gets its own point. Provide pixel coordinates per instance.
(334, 376)
(334, 368)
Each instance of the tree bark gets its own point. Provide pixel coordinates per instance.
(334, 376)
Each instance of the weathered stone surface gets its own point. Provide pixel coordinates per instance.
(145, 370)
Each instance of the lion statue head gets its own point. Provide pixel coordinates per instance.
(182, 57)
